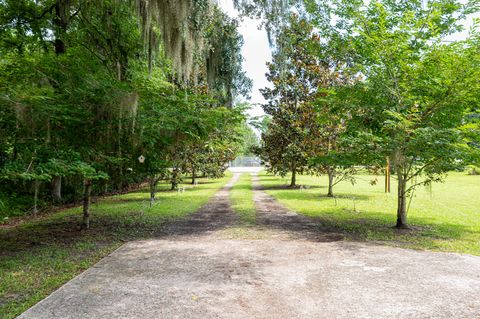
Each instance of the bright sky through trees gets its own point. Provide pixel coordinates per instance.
(257, 52)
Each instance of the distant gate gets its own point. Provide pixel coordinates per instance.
(246, 161)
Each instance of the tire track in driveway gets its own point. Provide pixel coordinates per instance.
(216, 214)
(288, 224)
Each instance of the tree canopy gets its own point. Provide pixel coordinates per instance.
(396, 92)
(89, 87)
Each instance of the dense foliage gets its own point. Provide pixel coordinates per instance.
(99, 95)
(84, 95)
(387, 88)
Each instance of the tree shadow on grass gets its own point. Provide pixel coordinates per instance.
(64, 232)
(378, 227)
(269, 179)
(146, 195)
(351, 224)
(238, 187)
(288, 187)
(112, 221)
(359, 197)
(311, 196)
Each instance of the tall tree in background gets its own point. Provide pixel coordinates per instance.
(330, 153)
(249, 140)
(290, 136)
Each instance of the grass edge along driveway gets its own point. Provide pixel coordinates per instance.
(241, 197)
(445, 217)
(40, 255)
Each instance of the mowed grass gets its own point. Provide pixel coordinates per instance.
(445, 216)
(241, 197)
(40, 255)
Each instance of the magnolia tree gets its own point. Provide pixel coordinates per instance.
(306, 130)
(295, 74)
(331, 153)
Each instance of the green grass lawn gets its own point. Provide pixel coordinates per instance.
(241, 197)
(40, 255)
(446, 216)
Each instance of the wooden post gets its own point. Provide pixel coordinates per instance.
(387, 176)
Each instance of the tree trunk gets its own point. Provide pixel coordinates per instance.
(36, 186)
(150, 52)
(87, 199)
(193, 175)
(57, 188)
(61, 24)
(402, 201)
(174, 180)
(59, 46)
(387, 176)
(48, 138)
(331, 176)
(153, 190)
(293, 181)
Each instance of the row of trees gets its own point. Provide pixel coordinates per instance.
(98, 95)
(358, 84)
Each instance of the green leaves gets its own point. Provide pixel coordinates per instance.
(86, 171)
(15, 172)
(399, 92)
(83, 92)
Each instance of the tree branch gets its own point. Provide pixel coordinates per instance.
(48, 10)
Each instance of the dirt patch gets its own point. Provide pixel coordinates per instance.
(213, 216)
(271, 214)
